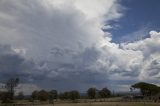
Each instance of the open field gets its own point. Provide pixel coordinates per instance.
(107, 104)
(116, 101)
(91, 104)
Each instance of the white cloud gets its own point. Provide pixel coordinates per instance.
(61, 41)
(150, 48)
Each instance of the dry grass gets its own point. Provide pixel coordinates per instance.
(107, 104)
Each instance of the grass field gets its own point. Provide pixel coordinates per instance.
(85, 102)
(97, 104)
(107, 104)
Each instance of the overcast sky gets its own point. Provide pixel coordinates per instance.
(77, 44)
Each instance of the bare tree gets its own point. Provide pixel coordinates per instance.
(10, 86)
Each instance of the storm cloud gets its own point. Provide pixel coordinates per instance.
(60, 44)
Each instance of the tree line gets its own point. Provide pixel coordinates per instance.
(92, 93)
(8, 96)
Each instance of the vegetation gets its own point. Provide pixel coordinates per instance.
(53, 94)
(8, 96)
(44, 96)
(91, 92)
(71, 95)
(146, 88)
(35, 95)
(5, 97)
(104, 93)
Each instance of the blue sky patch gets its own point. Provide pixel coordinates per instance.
(139, 16)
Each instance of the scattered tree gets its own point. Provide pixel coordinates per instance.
(91, 92)
(35, 95)
(10, 87)
(66, 95)
(104, 93)
(146, 88)
(43, 95)
(61, 96)
(4, 96)
(74, 95)
(52, 95)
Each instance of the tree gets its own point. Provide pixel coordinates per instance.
(104, 93)
(43, 95)
(35, 95)
(52, 95)
(146, 88)
(10, 86)
(73, 95)
(91, 92)
(61, 96)
(66, 95)
(4, 96)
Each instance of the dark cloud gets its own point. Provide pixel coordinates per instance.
(60, 44)
(13, 64)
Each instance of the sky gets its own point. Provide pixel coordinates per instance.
(77, 44)
(140, 17)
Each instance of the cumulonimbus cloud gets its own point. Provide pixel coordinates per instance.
(61, 41)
